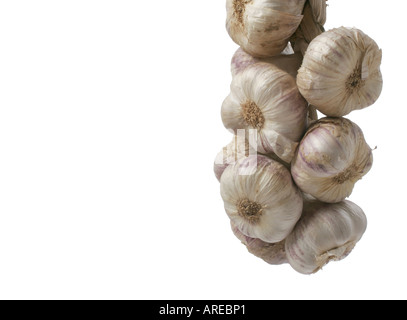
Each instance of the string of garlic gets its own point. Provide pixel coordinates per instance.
(285, 175)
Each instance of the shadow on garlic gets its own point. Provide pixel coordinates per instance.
(341, 72)
(260, 198)
(325, 232)
(266, 99)
(330, 159)
(272, 253)
(263, 27)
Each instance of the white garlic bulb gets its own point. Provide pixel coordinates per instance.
(272, 253)
(267, 99)
(237, 149)
(260, 198)
(331, 158)
(325, 232)
(341, 72)
(287, 61)
(263, 27)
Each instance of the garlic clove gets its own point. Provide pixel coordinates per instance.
(287, 61)
(260, 198)
(341, 72)
(263, 27)
(325, 232)
(330, 159)
(272, 253)
(266, 99)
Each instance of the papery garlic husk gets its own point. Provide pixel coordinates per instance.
(266, 99)
(272, 253)
(318, 9)
(331, 158)
(287, 61)
(311, 25)
(237, 149)
(312, 115)
(325, 232)
(263, 27)
(341, 72)
(260, 198)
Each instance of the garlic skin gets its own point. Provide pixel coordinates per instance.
(272, 253)
(325, 232)
(287, 61)
(260, 198)
(265, 98)
(341, 72)
(237, 149)
(318, 9)
(331, 158)
(263, 27)
(311, 26)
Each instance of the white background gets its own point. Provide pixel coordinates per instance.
(109, 125)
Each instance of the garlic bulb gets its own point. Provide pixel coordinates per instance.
(341, 72)
(260, 198)
(263, 27)
(272, 253)
(325, 232)
(237, 149)
(267, 99)
(287, 61)
(331, 158)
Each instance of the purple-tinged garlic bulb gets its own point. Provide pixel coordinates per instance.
(260, 198)
(263, 27)
(325, 232)
(341, 72)
(330, 159)
(272, 253)
(266, 99)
